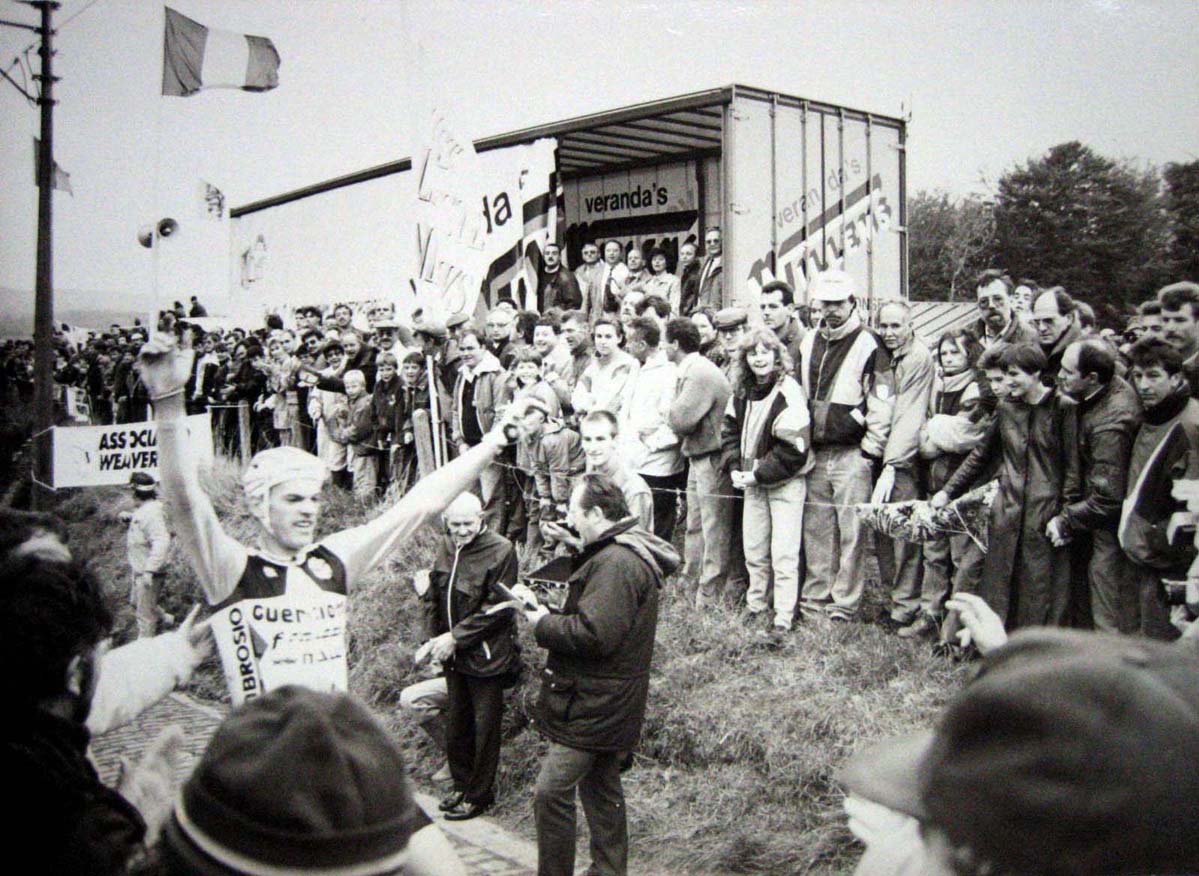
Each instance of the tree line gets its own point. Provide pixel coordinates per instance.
(1111, 231)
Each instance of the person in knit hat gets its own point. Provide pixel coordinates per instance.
(302, 782)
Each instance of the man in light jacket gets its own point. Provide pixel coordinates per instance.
(606, 383)
(846, 374)
(901, 563)
(652, 448)
(478, 393)
(695, 416)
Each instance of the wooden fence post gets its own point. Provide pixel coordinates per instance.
(243, 431)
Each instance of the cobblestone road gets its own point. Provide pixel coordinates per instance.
(485, 847)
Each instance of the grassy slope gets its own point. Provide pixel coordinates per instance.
(743, 736)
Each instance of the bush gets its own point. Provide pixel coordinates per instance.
(743, 736)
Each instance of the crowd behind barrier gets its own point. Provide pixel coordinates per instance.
(810, 409)
(649, 414)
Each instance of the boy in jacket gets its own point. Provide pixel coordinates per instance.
(1166, 447)
(476, 646)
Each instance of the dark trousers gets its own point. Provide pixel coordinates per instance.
(1155, 612)
(666, 490)
(597, 776)
(474, 719)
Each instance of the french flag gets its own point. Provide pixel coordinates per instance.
(196, 57)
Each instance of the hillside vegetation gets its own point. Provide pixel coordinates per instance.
(743, 737)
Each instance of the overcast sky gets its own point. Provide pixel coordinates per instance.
(986, 84)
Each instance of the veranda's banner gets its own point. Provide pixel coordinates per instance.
(99, 456)
(297, 638)
(651, 207)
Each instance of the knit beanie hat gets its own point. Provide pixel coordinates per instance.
(295, 782)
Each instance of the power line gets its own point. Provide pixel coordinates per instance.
(67, 21)
(25, 52)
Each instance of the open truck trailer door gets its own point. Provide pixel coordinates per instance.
(795, 186)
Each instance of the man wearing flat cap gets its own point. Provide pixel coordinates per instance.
(731, 324)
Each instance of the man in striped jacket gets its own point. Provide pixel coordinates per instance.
(846, 374)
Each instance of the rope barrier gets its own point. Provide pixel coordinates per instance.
(808, 503)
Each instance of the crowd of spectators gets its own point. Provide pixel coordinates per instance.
(740, 428)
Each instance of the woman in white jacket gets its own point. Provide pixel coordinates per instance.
(765, 440)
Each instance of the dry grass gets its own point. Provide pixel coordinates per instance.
(743, 736)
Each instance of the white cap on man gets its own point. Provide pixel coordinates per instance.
(832, 286)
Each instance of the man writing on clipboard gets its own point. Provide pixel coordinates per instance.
(279, 605)
(596, 677)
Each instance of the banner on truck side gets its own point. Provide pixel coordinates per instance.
(297, 638)
(100, 456)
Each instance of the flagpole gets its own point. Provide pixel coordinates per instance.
(43, 308)
(156, 239)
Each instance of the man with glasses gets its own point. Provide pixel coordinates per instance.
(499, 335)
(387, 339)
(1054, 318)
(711, 281)
(998, 324)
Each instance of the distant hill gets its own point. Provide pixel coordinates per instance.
(87, 308)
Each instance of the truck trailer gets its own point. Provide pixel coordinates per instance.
(795, 186)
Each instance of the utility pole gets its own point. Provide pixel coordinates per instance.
(43, 309)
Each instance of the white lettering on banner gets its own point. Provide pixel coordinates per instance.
(97, 456)
(451, 232)
(297, 638)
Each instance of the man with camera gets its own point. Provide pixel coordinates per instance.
(596, 677)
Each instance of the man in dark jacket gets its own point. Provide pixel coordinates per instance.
(1108, 416)
(1165, 449)
(596, 677)
(477, 646)
(53, 619)
(556, 285)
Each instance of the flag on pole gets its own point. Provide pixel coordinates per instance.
(196, 57)
(60, 179)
